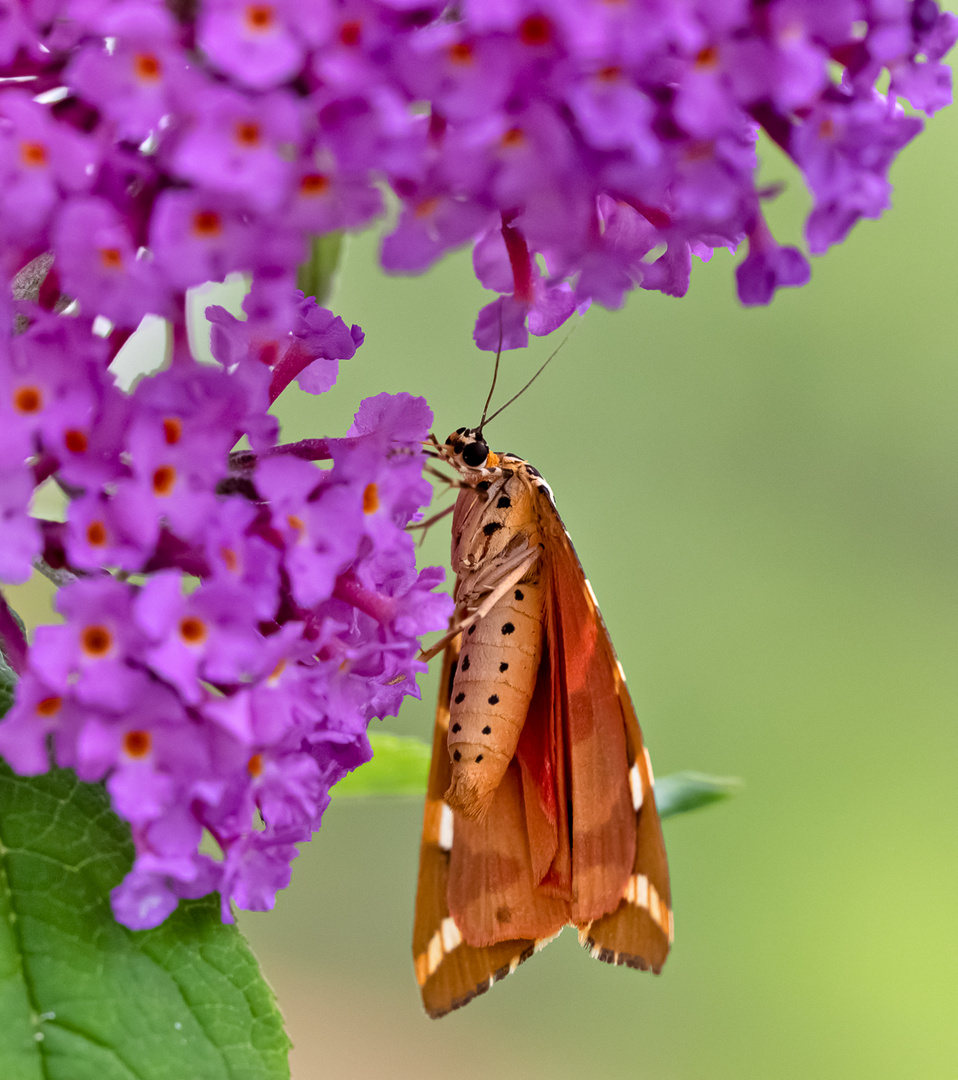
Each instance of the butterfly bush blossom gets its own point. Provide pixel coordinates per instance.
(260, 611)
(232, 619)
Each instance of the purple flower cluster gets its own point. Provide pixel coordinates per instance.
(583, 146)
(231, 621)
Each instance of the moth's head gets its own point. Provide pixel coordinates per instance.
(467, 449)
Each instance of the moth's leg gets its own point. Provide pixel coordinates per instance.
(429, 522)
(514, 570)
(450, 481)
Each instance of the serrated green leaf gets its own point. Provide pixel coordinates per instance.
(83, 998)
(685, 791)
(315, 276)
(400, 766)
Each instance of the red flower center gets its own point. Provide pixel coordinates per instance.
(75, 441)
(535, 30)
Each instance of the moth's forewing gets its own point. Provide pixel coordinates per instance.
(611, 775)
(603, 819)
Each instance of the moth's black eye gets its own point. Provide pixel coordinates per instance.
(475, 453)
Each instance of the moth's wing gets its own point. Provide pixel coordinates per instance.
(449, 971)
(619, 867)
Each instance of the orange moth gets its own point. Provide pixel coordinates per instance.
(540, 811)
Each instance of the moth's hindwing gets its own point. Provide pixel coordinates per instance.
(449, 972)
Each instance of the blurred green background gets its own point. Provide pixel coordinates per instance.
(765, 503)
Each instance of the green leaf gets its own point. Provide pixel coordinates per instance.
(685, 791)
(315, 276)
(83, 998)
(400, 766)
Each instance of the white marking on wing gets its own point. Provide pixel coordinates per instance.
(635, 783)
(434, 953)
(451, 938)
(654, 908)
(637, 890)
(588, 585)
(446, 826)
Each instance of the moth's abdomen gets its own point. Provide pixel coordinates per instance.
(491, 693)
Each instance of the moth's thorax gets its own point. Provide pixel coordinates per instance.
(492, 518)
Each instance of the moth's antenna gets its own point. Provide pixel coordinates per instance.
(495, 374)
(487, 420)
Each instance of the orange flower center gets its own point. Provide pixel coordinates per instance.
(172, 430)
(137, 743)
(111, 258)
(96, 641)
(49, 706)
(259, 17)
(192, 630)
(207, 223)
(147, 67)
(314, 184)
(370, 499)
(96, 534)
(28, 399)
(248, 133)
(163, 479)
(460, 53)
(33, 154)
